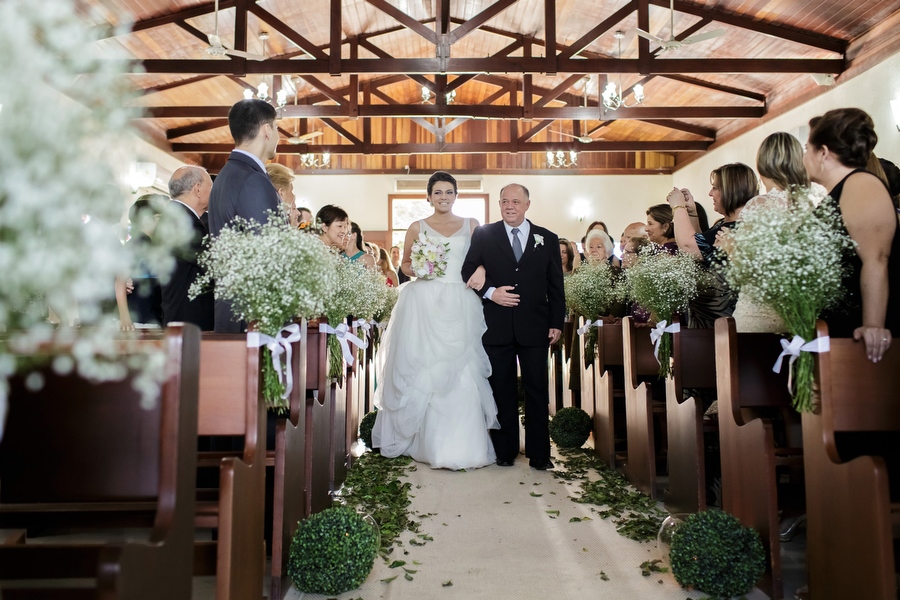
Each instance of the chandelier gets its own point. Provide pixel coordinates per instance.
(612, 96)
(558, 160)
(262, 92)
(311, 161)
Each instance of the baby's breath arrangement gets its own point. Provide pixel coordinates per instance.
(59, 196)
(590, 292)
(429, 257)
(664, 284)
(271, 274)
(357, 292)
(787, 255)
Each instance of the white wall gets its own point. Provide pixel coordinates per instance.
(871, 91)
(615, 199)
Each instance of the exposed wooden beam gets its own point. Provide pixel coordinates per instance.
(480, 19)
(442, 14)
(334, 55)
(180, 15)
(288, 32)
(343, 132)
(681, 126)
(493, 97)
(404, 19)
(175, 84)
(588, 38)
(536, 129)
(322, 87)
(780, 31)
(558, 90)
(454, 124)
(193, 31)
(346, 91)
(507, 64)
(550, 35)
(178, 132)
(464, 147)
(420, 79)
(715, 86)
(484, 111)
(426, 125)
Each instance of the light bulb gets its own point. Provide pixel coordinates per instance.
(248, 94)
(262, 92)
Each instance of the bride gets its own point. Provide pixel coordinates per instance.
(433, 396)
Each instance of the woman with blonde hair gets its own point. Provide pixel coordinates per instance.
(283, 180)
(387, 269)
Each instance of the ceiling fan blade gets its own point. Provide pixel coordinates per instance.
(303, 139)
(650, 36)
(584, 139)
(246, 55)
(703, 36)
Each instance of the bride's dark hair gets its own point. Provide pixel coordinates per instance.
(441, 176)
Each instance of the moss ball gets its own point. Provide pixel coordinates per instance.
(332, 552)
(570, 427)
(365, 429)
(716, 554)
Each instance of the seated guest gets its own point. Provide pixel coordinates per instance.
(283, 180)
(598, 225)
(387, 269)
(189, 189)
(660, 229)
(569, 256)
(598, 246)
(733, 185)
(334, 225)
(143, 306)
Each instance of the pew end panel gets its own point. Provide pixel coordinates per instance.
(140, 453)
(319, 428)
(609, 353)
(849, 513)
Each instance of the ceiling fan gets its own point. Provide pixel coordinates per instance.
(305, 138)
(584, 139)
(672, 44)
(217, 49)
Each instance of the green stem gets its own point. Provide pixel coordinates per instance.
(335, 358)
(273, 388)
(665, 353)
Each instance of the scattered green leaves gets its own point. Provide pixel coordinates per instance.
(388, 579)
(534, 495)
(396, 563)
(652, 566)
(604, 576)
(448, 583)
(552, 512)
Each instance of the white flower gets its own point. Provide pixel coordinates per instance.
(538, 240)
(429, 258)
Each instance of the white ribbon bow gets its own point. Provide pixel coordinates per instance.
(657, 332)
(278, 345)
(797, 345)
(345, 338)
(584, 328)
(365, 326)
(375, 323)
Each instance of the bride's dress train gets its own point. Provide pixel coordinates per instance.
(433, 397)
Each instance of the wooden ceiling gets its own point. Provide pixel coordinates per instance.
(475, 85)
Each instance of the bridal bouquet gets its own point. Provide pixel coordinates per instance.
(591, 292)
(357, 292)
(429, 258)
(787, 254)
(664, 284)
(271, 275)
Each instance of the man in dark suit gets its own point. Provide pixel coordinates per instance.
(524, 307)
(242, 188)
(189, 188)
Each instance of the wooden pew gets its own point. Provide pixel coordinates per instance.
(568, 396)
(639, 361)
(747, 388)
(231, 404)
(694, 366)
(850, 551)
(78, 446)
(291, 473)
(586, 371)
(318, 422)
(606, 390)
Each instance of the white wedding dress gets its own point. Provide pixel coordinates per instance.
(433, 397)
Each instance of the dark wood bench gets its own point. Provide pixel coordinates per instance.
(850, 551)
(693, 367)
(637, 350)
(319, 428)
(749, 395)
(78, 447)
(607, 390)
(231, 404)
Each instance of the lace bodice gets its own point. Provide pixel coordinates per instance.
(459, 246)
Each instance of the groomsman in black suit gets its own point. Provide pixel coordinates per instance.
(189, 188)
(242, 188)
(524, 307)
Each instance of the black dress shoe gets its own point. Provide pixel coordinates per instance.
(541, 465)
(504, 463)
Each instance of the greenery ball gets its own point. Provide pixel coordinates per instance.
(714, 553)
(365, 428)
(332, 552)
(570, 427)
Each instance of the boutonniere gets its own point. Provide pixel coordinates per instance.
(538, 240)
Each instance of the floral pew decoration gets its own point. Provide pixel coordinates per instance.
(786, 254)
(271, 275)
(590, 292)
(664, 284)
(357, 292)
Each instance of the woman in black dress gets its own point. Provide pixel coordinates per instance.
(840, 142)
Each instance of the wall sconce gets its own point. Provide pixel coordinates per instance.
(895, 108)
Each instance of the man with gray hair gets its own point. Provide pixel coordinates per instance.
(189, 188)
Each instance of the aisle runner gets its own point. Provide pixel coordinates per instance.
(494, 539)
